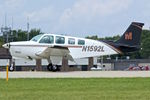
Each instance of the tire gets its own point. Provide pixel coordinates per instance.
(11, 68)
(53, 68)
(49, 67)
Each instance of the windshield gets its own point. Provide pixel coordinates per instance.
(36, 38)
(47, 39)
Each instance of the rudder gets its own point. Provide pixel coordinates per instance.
(132, 35)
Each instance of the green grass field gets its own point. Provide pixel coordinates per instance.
(75, 89)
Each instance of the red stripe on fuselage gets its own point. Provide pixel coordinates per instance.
(48, 46)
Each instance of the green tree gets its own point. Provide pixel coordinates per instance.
(145, 44)
(20, 35)
(1, 41)
(143, 53)
(35, 32)
(95, 37)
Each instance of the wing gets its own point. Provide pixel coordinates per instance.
(55, 51)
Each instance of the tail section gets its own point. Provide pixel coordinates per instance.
(132, 35)
(130, 40)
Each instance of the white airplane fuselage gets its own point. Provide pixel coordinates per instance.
(31, 49)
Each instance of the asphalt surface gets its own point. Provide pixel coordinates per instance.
(76, 74)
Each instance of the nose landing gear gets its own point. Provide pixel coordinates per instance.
(11, 68)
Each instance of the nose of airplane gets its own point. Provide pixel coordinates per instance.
(6, 45)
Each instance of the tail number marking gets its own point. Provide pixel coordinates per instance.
(93, 48)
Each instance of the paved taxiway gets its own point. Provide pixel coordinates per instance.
(77, 74)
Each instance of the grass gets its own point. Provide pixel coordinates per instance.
(75, 89)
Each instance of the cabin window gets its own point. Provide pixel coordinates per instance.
(47, 39)
(71, 41)
(81, 42)
(60, 40)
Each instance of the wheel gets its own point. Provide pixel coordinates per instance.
(11, 68)
(49, 67)
(53, 68)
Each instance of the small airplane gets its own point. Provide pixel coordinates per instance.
(47, 46)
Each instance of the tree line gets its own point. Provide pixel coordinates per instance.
(20, 35)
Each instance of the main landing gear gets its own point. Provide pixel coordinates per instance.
(53, 68)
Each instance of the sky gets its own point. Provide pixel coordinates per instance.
(78, 18)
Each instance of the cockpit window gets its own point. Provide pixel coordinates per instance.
(60, 40)
(47, 39)
(36, 38)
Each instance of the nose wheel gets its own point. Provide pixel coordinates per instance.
(52, 67)
(11, 68)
